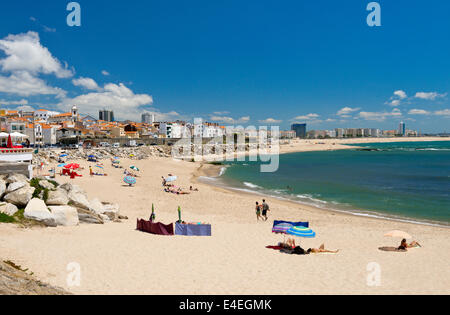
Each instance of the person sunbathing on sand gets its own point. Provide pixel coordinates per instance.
(321, 250)
(404, 245)
(290, 244)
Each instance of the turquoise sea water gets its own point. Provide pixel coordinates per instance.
(408, 181)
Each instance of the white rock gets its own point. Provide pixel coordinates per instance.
(16, 178)
(104, 217)
(20, 197)
(79, 200)
(8, 209)
(87, 216)
(65, 215)
(97, 206)
(46, 184)
(38, 211)
(15, 186)
(111, 210)
(2, 187)
(58, 197)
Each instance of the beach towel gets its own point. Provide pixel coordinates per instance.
(155, 228)
(274, 247)
(392, 249)
(303, 224)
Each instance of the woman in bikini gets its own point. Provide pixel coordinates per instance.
(321, 250)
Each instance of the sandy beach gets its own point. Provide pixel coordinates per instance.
(117, 259)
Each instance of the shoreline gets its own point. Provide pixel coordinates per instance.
(214, 172)
(210, 176)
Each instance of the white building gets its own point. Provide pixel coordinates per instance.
(44, 115)
(148, 118)
(44, 134)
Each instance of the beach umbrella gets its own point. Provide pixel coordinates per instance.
(10, 144)
(134, 168)
(171, 179)
(62, 165)
(99, 166)
(73, 166)
(179, 214)
(18, 135)
(398, 234)
(153, 216)
(300, 231)
(282, 228)
(63, 155)
(129, 180)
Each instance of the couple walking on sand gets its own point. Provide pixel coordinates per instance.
(262, 209)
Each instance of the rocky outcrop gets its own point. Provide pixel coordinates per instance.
(15, 186)
(111, 211)
(2, 188)
(37, 210)
(46, 185)
(77, 196)
(20, 197)
(13, 178)
(8, 209)
(87, 216)
(57, 197)
(14, 281)
(69, 203)
(65, 215)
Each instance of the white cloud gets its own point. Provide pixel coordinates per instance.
(400, 94)
(117, 97)
(270, 121)
(24, 52)
(418, 112)
(307, 117)
(105, 73)
(24, 84)
(396, 99)
(444, 112)
(395, 103)
(25, 59)
(9, 103)
(86, 83)
(25, 108)
(379, 116)
(431, 96)
(230, 120)
(346, 111)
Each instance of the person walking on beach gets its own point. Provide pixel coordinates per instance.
(258, 211)
(265, 209)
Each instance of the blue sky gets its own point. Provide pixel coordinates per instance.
(234, 62)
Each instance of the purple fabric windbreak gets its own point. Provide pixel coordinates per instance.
(155, 228)
(193, 229)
